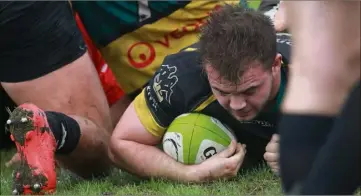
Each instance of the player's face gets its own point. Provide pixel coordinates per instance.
(247, 98)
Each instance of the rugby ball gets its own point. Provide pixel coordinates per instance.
(194, 137)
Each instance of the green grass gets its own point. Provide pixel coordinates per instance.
(254, 3)
(258, 182)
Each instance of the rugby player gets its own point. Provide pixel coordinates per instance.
(44, 61)
(237, 73)
(136, 36)
(320, 125)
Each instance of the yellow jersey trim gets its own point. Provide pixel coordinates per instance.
(190, 49)
(146, 117)
(205, 103)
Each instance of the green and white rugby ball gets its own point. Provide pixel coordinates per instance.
(194, 137)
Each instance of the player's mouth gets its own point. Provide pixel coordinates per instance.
(242, 114)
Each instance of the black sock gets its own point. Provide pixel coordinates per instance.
(66, 131)
(336, 171)
(301, 138)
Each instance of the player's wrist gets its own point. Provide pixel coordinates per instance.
(192, 174)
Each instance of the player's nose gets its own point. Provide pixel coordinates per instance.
(237, 103)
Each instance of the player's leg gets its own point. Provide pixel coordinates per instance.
(65, 108)
(73, 90)
(115, 95)
(336, 170)
(324, 70)
(119, 107)
(326, 58)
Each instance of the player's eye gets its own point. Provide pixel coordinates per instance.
(223, 93)
(250, 91)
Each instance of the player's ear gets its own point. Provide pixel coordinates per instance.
(277, 63)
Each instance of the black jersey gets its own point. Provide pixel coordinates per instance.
(181, 86)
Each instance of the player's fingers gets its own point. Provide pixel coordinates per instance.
(272, 147)
(241, 149)
(274, 167)
(275, 138)
(237, 159)
(229, 151)
(238, 156)
(240, 162)
(15, 159)
(271, 157)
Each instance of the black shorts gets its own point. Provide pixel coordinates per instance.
(337, 168)
(37, 38)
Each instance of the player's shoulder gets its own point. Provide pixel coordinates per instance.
(185, 64)
(284, 45)
(180, 82)
(187, 58)
(177, 87)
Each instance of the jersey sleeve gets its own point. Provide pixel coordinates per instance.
(161, 101)
(36, 38)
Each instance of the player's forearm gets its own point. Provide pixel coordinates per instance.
(325, 61)
(149, 161)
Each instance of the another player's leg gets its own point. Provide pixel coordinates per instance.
(336, 170)
(69, 114)
(119, 107)
(326, 66)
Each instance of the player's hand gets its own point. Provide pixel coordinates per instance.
(280, 18)
(272, 153)
(223, 165)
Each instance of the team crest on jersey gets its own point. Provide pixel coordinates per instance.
(164, 81)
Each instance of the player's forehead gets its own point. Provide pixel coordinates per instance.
(252, 76)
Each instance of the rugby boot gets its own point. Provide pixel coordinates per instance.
(36, 145)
